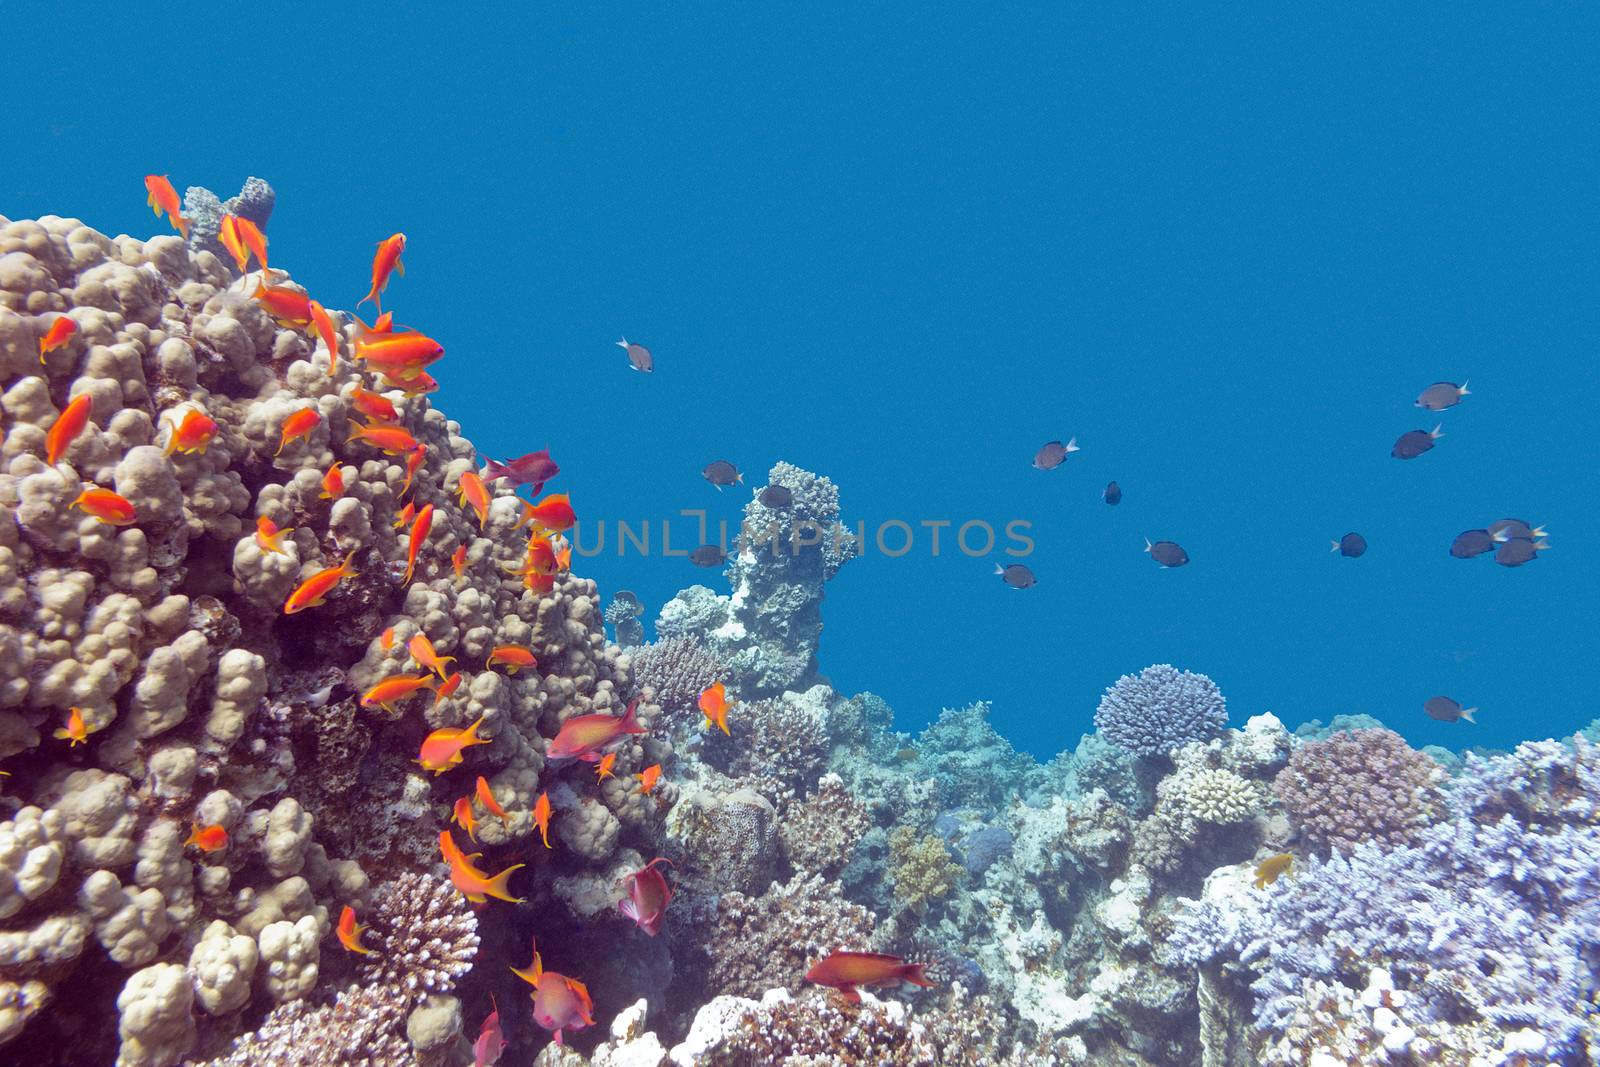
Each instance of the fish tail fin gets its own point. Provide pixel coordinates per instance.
(469, 736)
(1335, 547)
(1463, 390)
(1072, 445)
(623, 344)
(499, 886)
(529, 974)
(1541, 544)
(182, 224)
(1468, 713)
(1539, 532)
(912, 972)
(999, 569)
(630, 720)
(1437, 431)
(1147, 545)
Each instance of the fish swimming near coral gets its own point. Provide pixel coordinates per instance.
(313, 592)
(442, 749)
(586, 737)
(845, 971)
(108, 507)
(560, 1004)
(191, 434)
(476, 885)
(471, 491)
(491, 1040)
(487, 798)
(777, 497)
(253, 239)
(396, 688)
(721, 473)
(603, 769)
(323, 324)
(228, 236)
(59, 333)
(66, 427)
(512, 657)
(533, 470)
(461, 814)
(1441, 395)
(298, 425)
(414, 461)
(374, 406)
(212, 838)
(1016, 575)
(1270, 869)
(541, 817)
(1053, 453)
(648, 897)
(1350, 546)
(458, 560)
(447, 688)
(554, 513)
(164, 200)
(332, 483)
(708, 556)
(416, 539)
(75, 731)
(423, 652)
(648, 778)
(269, 537)
(714, 706)
(639, 356)
(385, 261)
(389, 439)
(1414, 443)
(1166, 553)
(289, 307)
(349, 932)
(1445, 709)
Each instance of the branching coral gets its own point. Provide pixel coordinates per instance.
(423, 935)
(920, 867)
(820, 835)
(1153, 712)
(677, 669)
(767, 942)
(1365, 785)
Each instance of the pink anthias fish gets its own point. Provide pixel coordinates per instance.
(648, 897)
(586, 737)
(491, 1039)
(559, 1003)
(534, 469)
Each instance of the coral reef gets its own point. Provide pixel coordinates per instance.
(1153, 712)
(1365, 785)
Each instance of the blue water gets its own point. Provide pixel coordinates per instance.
(1225, 247)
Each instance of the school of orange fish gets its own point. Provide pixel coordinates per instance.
(397, 358)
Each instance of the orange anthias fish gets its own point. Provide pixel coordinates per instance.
(416, 383)
(541, 556)
(290, 307)
(446, 688)
(164, 199)
(564, 560)
(106, 506)
(602, 770)
(393, 440)
(75, 731)
(399, 355)
(648, 778)
(553, 513)
(845, 971)
(228, 235)
(559, 1003)
(474, 884)
(458, 560)
(253, 239)
(462, 816)
(332, 483)
(714, 706)
(584, 737)
(414, 461)
(59, 333)
(68, 425)
(472, 491)
(419, 534)
(211, 838)
(394, 688)
(299, 424)
(386, 262)
(386, 639)
(422, 651)
(441, 749)
(384, 324)
(322, 322)
(487, 798)
(405, 515)
(192, 434)
(514, 657)
(541, 817)
(313, 591)
(648, 897)
(269, 538)
(374, 406)
(349, 932)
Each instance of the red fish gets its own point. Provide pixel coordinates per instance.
(414, 460)
(395, 687)
(415, 384)
(714, 706)
(541, 556)
(68, 425)
(491, 1041)
(59, 333)
(472, 491)
(211, 838)
(533, 469)
(75, 731)
(312, 592)
(559, 1003)
(541, 817)
(386, 639)
(458, 560)
(164, 199)
(602, 770)
(474, 884)
(392, 440)
(332, 483)
(514, 657)
(349, 932)
(845, 971)
(228, 235)
(490, 803)
(374, 406)
(586, 736)
(298, 425)
(399, 355)
(386, 262)
(269, 538)
(405, 515)
(322, 322)
(106, 506)
(422, 651)
(290, 307)
(553, 513)
(253, 239)
(192, 434)
(648, 897)
(463, 817)
(419, 535)
(648, 778)
(446, 688)
(441, 749)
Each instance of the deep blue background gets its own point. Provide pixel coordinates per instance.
(1225, 246)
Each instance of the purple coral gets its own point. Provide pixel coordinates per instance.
(1160, 708)
(1365, 785)
(677, 669)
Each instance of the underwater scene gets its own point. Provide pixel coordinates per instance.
(754, 536)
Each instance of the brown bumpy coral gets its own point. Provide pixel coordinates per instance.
(768, 942)
(1364, 785)
(820, 835)
(920, 867)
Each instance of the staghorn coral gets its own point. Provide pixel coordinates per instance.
(766, 942)
(1160, 708)
(920, 867)
(1365, 785)
(676, 670)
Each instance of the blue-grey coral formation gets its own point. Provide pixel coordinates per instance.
(1153, 712)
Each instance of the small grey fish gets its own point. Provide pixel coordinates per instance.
(1469, 543)
(1441, 395)
(1113, 494)
(1506, 529)
(638, 355)
(1517, 551)
(776, 496)
(1166, 553)
(1414, 443)
(722, 473)
(1446, 710)
(1350, 545)
(708, 556)
(1049, 457)
(1015, 575)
